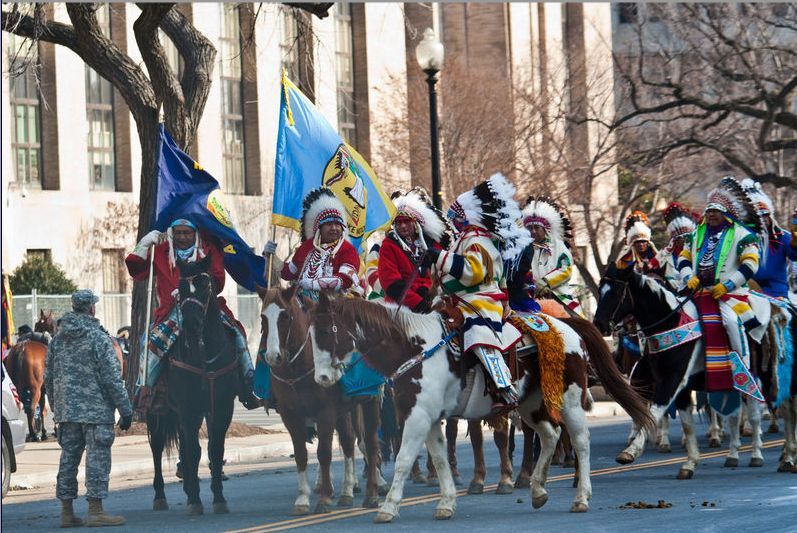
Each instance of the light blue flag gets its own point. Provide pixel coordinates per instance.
(311, 154)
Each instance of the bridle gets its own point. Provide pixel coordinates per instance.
(293, 381)
(627, 291)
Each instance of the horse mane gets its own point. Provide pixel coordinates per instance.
(371, 315)
(658, 286)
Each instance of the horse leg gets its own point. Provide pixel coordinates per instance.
(501, 439)
(192, 452)
(687, 470)
(789, 455)
(575, 420)
(523, 480)
(714, 430)
(294, 423)
(157, 441)
(476, 485)
(370, 411)
(732, 459)
(325, 427)
(42, 412)
(548, 435)
(753, 409)
(664, 435)
(637, 446)
(568, 460)
(217, 430)
(452, 431)
(346, 439)
(416, 428)
(448, 491)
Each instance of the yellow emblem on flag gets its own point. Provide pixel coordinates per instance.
(229, 249)
(216, 206)
(342, 177)
(197, 166)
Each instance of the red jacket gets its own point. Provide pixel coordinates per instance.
(345, 264)
(396, 269)
(167, 278)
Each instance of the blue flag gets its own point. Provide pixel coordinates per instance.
(185, 190)
(311, 154)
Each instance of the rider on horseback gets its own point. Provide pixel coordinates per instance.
(679, 224)
(417, 227)
(639, 251)
(183, 241)
(472, 273)
(720, 256)
(551, 259)
(326, 259)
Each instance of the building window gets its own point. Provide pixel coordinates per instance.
(45, 254)
(289, 43)
(232, 111)
(113, 271)
(26, 120)
(628, 13)
(99, 114)
(344, 62)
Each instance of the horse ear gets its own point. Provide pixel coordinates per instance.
(41, 313)
(323, 298)
(204, 263)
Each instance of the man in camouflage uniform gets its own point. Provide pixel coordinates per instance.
(84, 379)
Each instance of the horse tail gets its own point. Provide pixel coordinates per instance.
(612, 380)
(164, 427)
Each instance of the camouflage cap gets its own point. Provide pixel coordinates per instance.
(83, 299)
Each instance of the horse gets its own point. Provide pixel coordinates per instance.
(202, 380)
(657, 309)
(429, 387)
(25, 365)
(285, 347)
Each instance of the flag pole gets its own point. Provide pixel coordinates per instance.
(149, 312)
(271, 256)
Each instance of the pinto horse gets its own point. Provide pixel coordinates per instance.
(387, 337)
(202, 382)
(656, 309)
(284, 342)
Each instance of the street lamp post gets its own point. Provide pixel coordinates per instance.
(430, 54)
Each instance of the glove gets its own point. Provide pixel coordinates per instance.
(718, 291)
(142, 248)
(270, 248)
(693, 283)
(125, 421)
(430, 257)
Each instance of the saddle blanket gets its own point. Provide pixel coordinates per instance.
(673, 338)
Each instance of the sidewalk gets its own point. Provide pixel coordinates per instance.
(37, 466)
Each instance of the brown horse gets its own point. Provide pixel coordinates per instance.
(25, 365)
(388, 338)
(285, 346)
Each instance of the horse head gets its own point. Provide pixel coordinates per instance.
(195, 297)
(614, 300)
(283, 325)
(333, 346)
(46, 323)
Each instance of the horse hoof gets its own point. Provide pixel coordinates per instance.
(756, 462)
(443, 514)
(475, 488)
(419, 479)
(714, 443)
(747, 432)
(665, 448)
(731, 462)
(505, 488)
(569, 463)
(383, 490)
(522, 482)
(322, 508)
(195, 509)
(539, 501)
(624, 458)
(785, 467)
(773, 428)
(301, 510)
(160, 504)
(556, 461)
(383, 518)
(345, 501)
(685, 474)
(432, 482)
(579, 507)
(316, 490)
(220, 508)
(371, 503)
(357, 489)
(458, 479)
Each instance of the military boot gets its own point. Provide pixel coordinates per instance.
(68, 518)
(98, 518)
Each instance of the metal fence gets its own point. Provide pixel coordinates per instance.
(113, 310)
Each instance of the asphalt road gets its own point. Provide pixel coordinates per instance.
(261, 495)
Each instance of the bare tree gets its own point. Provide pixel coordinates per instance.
(715, 79)
(147, 90)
